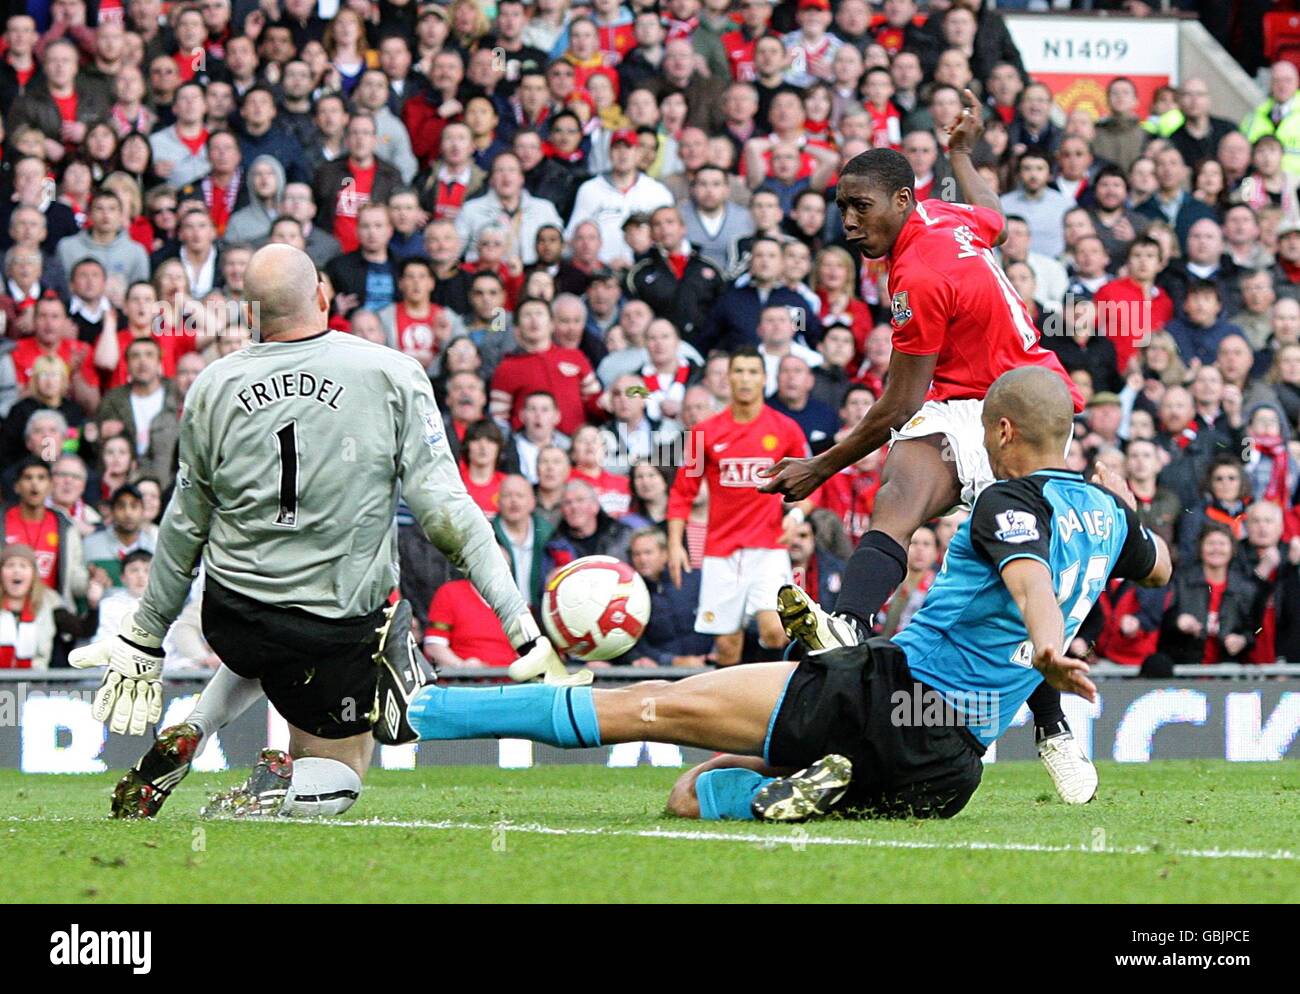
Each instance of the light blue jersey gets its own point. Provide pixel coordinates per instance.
(969, 641)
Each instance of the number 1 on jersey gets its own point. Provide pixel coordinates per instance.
(286, 439)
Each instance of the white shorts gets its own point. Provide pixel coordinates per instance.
(735, 588)
(959, 421)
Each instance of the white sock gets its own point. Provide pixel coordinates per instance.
(225, 698)
(320, 787)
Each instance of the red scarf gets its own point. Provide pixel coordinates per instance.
(681, 29)
(551, 152)
(653, 382)
(1275, 448)
(822, 129)
(78, 211)
(122, 124)
(221, 212)
(1187, 436)
(677, 263)
(1292, 270)
(1235, 523)
(18, 638)
(521, 117)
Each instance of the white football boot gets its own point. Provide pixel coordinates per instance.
(1071, 771)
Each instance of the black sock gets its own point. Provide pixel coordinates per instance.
(876, 567)
(1049, 719)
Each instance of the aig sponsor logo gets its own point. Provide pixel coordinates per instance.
(742, 472)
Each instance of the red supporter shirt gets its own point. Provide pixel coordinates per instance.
(1123, 319)
(616, 40)
(459, 617)
(1212, 653)
(415, 335)
(612, 490)
(171, 351)
(886, 126)
(727, 455)
(740, 55)
(560, 372)
(1264, 649)
(67, 107)
(890, 39)
(42, 536)
(450, 197)
(28, 350)
(351, 197)
(950, 297)
(196, 143)
(185, 65)
(488, 495)
(1120, 599)
(851, 496)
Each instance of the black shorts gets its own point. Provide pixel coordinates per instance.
(843, 702)
(319, 673)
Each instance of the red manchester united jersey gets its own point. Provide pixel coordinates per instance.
(728, 454)
(950, 297)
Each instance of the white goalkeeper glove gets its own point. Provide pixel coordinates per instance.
(130, 698)
(538, 658)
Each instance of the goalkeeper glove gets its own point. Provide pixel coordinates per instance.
(130, 698)
(538, 658)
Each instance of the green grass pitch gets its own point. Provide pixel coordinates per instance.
(1172, 831)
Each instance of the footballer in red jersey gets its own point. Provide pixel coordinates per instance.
(958, 324)
(745, 562)
(755, 22)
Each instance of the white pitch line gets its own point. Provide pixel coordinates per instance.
(695, 835)
(748, 838)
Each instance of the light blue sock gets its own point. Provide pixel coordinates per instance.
(558, 716)
(726, 794)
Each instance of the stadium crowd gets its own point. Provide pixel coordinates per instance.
(571, 215)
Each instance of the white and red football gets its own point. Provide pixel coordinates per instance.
(596, 607)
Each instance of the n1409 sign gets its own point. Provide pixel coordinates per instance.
(1098, 49)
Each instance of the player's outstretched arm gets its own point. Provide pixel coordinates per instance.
(130, 696)
(963, 134)
(184, 529)
(1030, 584)
(433, 489)
(908, 380)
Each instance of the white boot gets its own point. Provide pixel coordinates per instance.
(1072, 772)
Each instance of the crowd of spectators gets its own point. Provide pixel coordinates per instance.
(569, 214)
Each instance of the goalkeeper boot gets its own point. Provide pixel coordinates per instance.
(816, 630)
(810, 793)
(402, 671)
(1072, 772)
(261, 795)
(141, 792)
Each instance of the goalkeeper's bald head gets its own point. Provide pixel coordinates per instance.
(283, 295)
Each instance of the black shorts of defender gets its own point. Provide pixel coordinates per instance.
(319, 673)
(843, 701)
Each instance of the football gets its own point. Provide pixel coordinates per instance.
(596, 607)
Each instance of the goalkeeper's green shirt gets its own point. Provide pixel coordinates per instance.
(292, 457)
